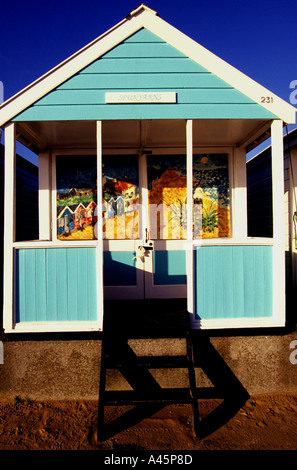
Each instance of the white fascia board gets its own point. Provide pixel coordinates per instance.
(220, 68)
(145, 18)
(140, 8)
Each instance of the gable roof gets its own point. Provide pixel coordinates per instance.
(144, 17)
(137, 70)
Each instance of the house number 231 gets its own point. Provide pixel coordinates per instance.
(266, 99)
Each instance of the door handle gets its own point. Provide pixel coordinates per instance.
(149, 246)
(141, 253)
(142, 249)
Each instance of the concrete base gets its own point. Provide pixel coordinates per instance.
(55, 368)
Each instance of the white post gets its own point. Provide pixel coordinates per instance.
(44, 196)
(100, 289)
(9, 226)
(189, 249)
(239, 200)
(277, 162)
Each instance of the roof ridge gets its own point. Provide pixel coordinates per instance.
(139, 9)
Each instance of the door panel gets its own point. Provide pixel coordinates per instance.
(143, 199)
(167, 194)
(121, 197)
(123, 272)
(169, 268)
(145, 219)
(123, 268)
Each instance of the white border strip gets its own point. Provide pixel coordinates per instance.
(9, 226)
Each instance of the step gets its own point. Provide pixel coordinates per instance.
(146, 347)
(122, 379)
(132, 397)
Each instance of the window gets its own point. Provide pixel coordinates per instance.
(76, 197)
(211, 196)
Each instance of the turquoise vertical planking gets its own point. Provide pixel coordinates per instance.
(56, 284)
(41, 275)
(233, 282)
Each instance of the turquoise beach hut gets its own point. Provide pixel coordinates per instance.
(146, 116)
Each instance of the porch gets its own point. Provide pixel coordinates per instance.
(229, 281)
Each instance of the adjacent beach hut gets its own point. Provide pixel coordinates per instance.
(146, 105)
(260, 210)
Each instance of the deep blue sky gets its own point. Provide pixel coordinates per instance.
(257, 37)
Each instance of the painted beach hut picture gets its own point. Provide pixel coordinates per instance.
(76, 197)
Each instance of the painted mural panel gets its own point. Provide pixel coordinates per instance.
(167, 190)
(120, 197)
(167, 195)
(211, 196)
(76, 197)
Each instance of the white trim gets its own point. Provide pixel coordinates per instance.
(53, 208)
(189, 250)
(143, 196)
(292, 209)
(181, 245)
(55, 244)
(99, 249)
(140, 8)
(277, 164)
(44, 195)
(9, 225)
(175, 245)
(239, 194)
(235, 241)
(29, 327)
(189, 165)
(138, 19)
(260, 322)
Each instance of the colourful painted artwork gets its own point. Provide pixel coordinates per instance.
(76, 197)
(167, 197)
(211, 196)
(167, 185)
(120, 197)
(167, 194)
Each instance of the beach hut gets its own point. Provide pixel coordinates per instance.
(80, 217)
(260, 210)
(150, 106)
(65, 222)
(90, 213)
(26, 215)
